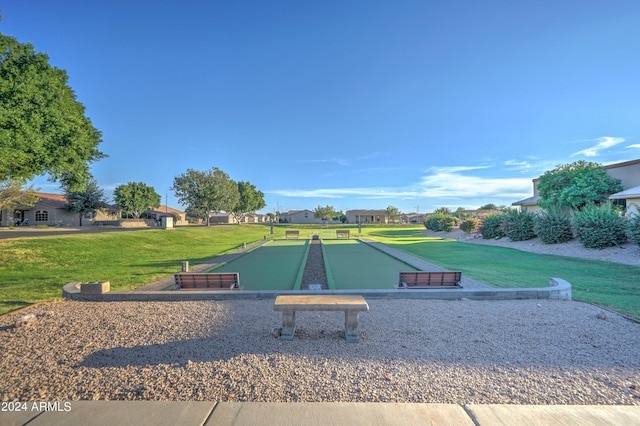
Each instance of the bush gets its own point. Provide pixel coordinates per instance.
(518, 225)
(553, 226)
(440, 222)
(492, 227)
(470, 225)
(633, 227)
(599, 227)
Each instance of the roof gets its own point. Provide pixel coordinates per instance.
(623, 164)
(53, 200)
(627, 193)
(366, 212)
(167, 209)
(527, 201)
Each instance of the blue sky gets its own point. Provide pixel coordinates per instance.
(355, 104)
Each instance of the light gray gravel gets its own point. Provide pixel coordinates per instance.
(522, 352)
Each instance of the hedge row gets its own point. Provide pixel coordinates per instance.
(593, 226)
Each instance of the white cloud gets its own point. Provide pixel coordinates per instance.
(634, 146)
(601, 144)
(449, 183)
(438, 182)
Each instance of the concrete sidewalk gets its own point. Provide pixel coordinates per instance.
(110, 413)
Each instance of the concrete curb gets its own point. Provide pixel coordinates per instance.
(558, 289)
(192, 413)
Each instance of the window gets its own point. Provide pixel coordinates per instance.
(42, 216)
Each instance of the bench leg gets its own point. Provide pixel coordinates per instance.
(351, 327)
(288, 325)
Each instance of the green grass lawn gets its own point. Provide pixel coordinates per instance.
(35, 269)
(611, 285)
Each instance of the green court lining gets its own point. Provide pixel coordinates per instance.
(276, 265)
(279, 265)
(356, 265)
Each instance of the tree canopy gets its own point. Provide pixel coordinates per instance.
(576, 185)
(43, 128)
(206, 191)
(392, 213)
(86, 199)
(14, 194)
(134, 198)
(250, 201)
(325, 213)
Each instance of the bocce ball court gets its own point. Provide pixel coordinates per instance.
(350, 264)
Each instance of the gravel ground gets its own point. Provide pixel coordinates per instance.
(314, 270)
(522, 352)
(511, 352)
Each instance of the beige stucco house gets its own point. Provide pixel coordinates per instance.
(629, 174)
(178, 215)
(51, 210)
(366, 216)
(301, 217)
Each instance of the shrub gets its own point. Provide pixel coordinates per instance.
(440, 222)
(599, 227)
(492, 227)
(553, 226)
(470, 225)
(633, 227)
(518, 225)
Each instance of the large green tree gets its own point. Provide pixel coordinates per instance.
(250, 201)
(206, 191)
(84, 199)
(576, 185)
(43, 127)
(134, 198)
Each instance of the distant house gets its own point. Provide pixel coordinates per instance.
(159, 212)
(629, 174)
(366, 216)
(300, 216)
(51, 210)
(412, 218)
(221, 218)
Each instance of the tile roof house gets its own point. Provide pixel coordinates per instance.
(51, 210)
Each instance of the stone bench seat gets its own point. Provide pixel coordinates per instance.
(350, 305)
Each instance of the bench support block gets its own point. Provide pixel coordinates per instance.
(351, 327)
(288, 325)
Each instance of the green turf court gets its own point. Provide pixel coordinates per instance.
(356, 265)
(277, 265)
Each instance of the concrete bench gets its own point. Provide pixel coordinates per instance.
(350, 305)
(207, 281)
(422, 279)
(292, 234)
(342, 233)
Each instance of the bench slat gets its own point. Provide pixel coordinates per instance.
(423, 279)
(207, 280)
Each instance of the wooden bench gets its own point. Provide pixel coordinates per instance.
(342, 233)
(207, 281)
(421, 279)
(350, 305)
(292, 234)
